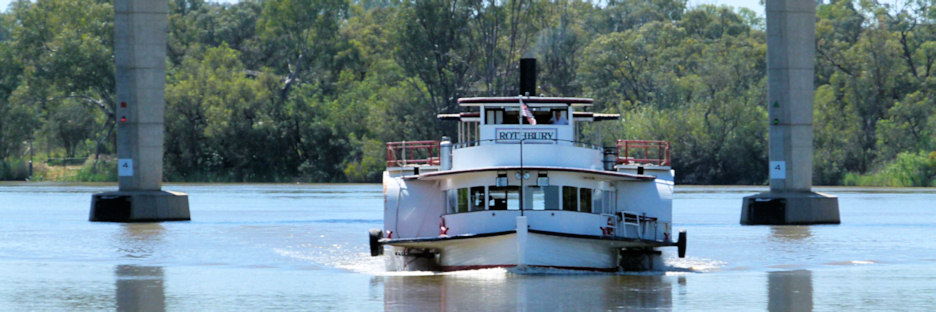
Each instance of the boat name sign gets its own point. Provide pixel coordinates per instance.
(514, 135)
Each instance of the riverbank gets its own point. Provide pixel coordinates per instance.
(103, 169)
(907, 170)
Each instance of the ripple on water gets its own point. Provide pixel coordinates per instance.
(694, 264)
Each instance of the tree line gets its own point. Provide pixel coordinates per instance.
(310, 90)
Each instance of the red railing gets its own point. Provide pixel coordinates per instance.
(412, 153)
(637, 152)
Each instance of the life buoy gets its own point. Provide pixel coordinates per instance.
(609, 230)
(443, 230)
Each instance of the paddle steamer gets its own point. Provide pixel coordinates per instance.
(517, 189)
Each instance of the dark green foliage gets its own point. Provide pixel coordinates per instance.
(14, 169)
(876, 73)
(699, 89)
(101, 171)
(310, 90)
(908, 170)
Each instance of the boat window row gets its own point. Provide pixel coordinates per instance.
(568, 198)
(513, 116)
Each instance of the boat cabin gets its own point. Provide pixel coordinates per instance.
(502, 120)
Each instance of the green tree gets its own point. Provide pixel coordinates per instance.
(72, 123)
(17, 121)
(220, 127)
(873, 85)
(64, 48)
(698, 83)
(298, 38)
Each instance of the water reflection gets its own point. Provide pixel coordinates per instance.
(785, 233)
(139, 240)
(497, 291)
(140, 288)
(790, 291)
(788, 243)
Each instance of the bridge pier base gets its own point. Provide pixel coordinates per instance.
(770, 208)
(139, 206)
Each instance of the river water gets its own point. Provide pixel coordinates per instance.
(304, 247)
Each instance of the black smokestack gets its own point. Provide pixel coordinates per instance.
(528, 76)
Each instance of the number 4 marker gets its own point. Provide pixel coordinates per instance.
(778, 170)
(125, 167)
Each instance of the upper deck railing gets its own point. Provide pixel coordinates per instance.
(527, 142)
(643, 152)
(631, 152)
(412, 153)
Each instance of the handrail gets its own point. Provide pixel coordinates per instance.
(406, 153)
(640, 223)
(478, 142)
(644, 151)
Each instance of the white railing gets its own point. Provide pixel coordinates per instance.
(639, 225)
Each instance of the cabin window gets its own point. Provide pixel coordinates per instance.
(580, 199)
(585, 200)
(463, 200)
(493, 116)
(504, 198)
(551, 197)
(556, 117)
(511, 116)
(533, 198)
(596, 202)
(541, 114)
(569, 198)
(541, 198)
(513, 199)
(452, 196)
(607, 199)
(477, 198)
(466, 199)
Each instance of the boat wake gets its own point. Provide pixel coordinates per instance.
(693, 265)
(852, 262)
(376, 266)
(354, 259)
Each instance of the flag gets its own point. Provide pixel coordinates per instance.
(525, 112)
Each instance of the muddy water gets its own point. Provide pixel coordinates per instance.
(303, 247)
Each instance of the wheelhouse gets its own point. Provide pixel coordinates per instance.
(509, 120)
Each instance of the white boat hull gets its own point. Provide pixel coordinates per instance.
(527, 248)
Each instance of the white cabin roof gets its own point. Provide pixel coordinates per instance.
(515, 100)
(614, 175)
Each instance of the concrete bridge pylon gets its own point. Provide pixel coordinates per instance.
(791, 50)
(140, 30)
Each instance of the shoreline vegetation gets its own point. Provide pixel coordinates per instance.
(311, 90)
